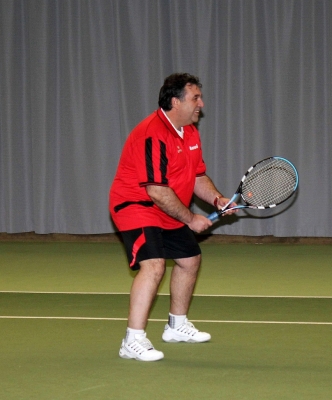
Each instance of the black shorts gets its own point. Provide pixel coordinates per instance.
(153, 242)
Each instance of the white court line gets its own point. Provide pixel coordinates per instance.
(167, 294)
(164, 320)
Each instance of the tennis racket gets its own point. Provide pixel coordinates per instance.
(265, 185)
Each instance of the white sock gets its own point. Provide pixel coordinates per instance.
(130, 335)
(174, 321)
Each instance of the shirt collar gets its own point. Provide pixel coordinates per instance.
(179, 132)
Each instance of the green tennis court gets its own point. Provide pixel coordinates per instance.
(267, 306)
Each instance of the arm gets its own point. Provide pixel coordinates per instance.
(167, 200)
(206, 191)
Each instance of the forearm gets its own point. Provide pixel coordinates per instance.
(167, 200)
(206, 190)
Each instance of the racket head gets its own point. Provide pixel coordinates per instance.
(269, 182)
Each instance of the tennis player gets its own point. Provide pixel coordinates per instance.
(160, 169)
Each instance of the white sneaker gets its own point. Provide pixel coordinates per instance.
(185, 333)
(140, 349)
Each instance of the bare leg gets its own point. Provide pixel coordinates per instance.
(183, 281)
(143, 291)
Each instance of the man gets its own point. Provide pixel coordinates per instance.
(160, 169)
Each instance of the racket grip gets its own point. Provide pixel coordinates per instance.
(213, 217)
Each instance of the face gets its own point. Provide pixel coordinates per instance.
(190, 107)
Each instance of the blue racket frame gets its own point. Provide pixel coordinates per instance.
(215, 215)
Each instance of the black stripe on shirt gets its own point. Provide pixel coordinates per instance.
(163, 162)
(128, 203)
(148, 160)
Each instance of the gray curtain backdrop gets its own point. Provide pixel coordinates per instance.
(77, 75)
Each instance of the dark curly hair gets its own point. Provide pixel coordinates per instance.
(174, 86)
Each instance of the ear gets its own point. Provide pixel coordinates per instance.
(175, 102)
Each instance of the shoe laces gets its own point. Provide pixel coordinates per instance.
(187, 328)
(141, 345)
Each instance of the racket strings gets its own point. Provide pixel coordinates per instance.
(269, 183)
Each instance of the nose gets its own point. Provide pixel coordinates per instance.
(201, 103)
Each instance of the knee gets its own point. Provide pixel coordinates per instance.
(154, 269)
(191, 264)
(158, 272)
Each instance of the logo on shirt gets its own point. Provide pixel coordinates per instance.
(193, 147)
(179, 149)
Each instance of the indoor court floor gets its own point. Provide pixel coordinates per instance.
(268, 307)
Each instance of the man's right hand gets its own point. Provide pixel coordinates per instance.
(199, 223)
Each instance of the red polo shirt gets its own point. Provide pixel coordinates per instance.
(154, 154)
